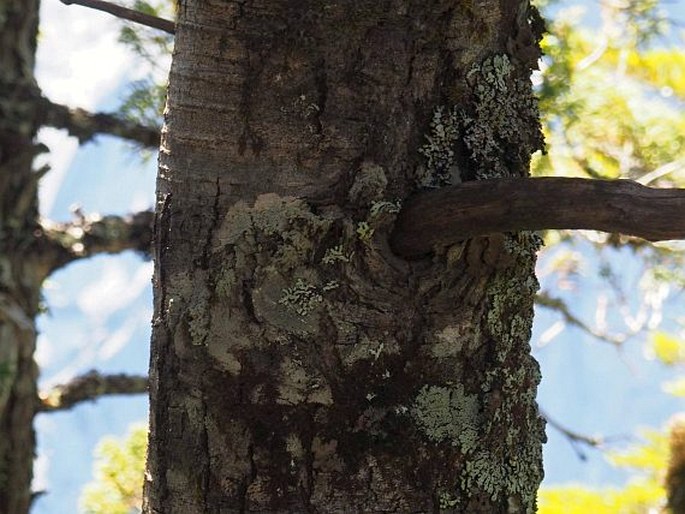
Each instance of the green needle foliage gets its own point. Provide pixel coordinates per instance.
(145, 99)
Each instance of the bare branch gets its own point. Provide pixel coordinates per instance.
(90, 386)
(544, 299)
(445, 216)
(127, 14)
(575, 438)
(62, 243)
(85, 125)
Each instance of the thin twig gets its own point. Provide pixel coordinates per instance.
(545, 300)
(576, 439)
(127, 14)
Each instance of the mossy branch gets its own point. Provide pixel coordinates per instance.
(62, 243)
(127, 14)
(445, 216)
(85, 125)
(89, 386)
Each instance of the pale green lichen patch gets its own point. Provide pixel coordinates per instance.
(499, 128)
(439, 149)
(293, 306)
(503, 129)
(497, 470)
(337, 254)
(383, 206)
(293, 446)
(508, 477)
(225, 281)
(448, 414)
(364, 231)
(283, 227)
(512, 326)
(330, 286)
(302, 297)
(447, 501)
(268, 258)
(198, 316)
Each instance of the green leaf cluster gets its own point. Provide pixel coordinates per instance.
(117, 487)
(612, 101)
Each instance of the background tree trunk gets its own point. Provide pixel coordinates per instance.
(297, 364)
(21, 273)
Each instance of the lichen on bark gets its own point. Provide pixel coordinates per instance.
(335, 376)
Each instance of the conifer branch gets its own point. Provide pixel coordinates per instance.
(85, 125)
(62, 243)
(89, 386)
(119, 11)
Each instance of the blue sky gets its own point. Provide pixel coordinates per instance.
(100, 309)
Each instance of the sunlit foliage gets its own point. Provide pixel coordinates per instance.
(117, 487)
(613, 103)
(644, 494)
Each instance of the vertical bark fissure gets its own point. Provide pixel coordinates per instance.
(333, 376)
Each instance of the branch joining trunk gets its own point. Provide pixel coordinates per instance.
(449, 215)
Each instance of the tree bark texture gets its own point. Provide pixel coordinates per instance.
(298, 365)
(20, 278)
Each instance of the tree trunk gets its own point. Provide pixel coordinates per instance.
(297, 364)
(20, 271)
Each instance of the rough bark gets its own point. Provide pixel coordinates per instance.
(297, 364)
(19, 282)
